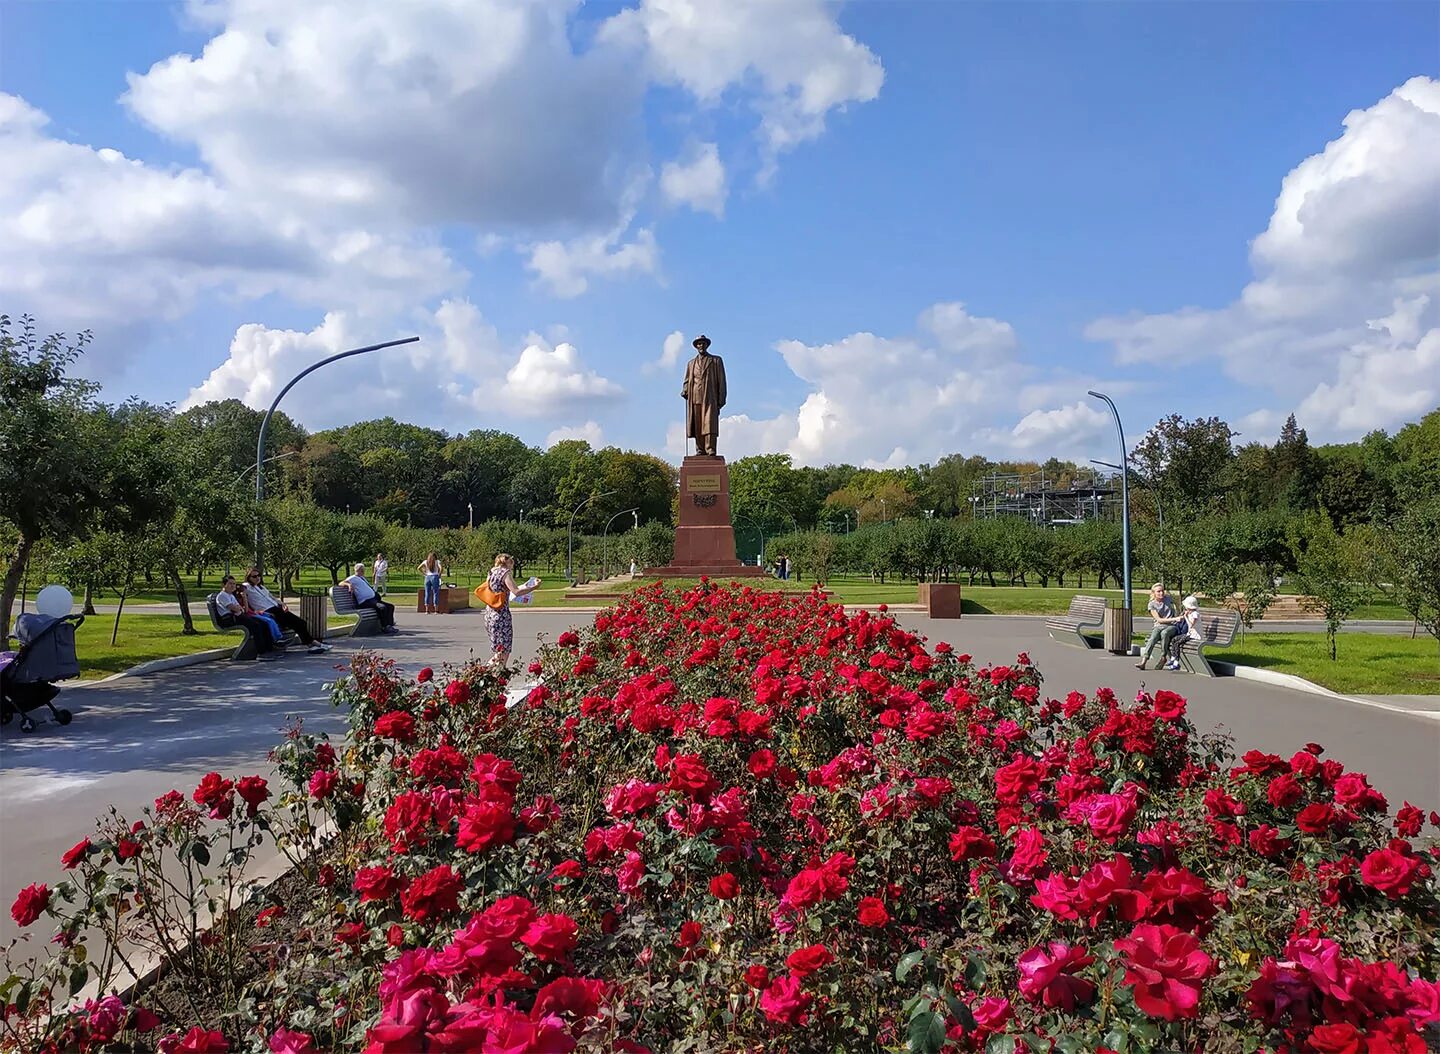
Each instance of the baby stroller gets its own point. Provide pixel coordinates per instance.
(46, 655)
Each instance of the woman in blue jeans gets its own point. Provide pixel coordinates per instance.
(432, 569)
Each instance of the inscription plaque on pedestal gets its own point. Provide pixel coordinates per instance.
(705, 537)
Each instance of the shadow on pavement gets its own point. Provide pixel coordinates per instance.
(222, 711)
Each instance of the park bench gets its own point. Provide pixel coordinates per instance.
(1084, 612)
(1216, 629)
(246, 649)
(343, 601)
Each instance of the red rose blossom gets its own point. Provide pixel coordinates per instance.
(214, 794)
(551, 937)
(75, 854)
(871, 912)
(253, 792)
(786, 1002)
(30, 904)
(1047, 976)
(807, 960)
(725, 887)
(1165, 967)
(690, 934)
(436, 892)
(1389, 871)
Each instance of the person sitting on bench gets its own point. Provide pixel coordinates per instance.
(228, 605)
(1189, 623)
(261, 602)
(365, 598)
(1167, 623)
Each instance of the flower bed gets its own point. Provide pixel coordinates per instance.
(731, 820)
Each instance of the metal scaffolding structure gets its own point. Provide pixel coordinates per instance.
(1039, 498)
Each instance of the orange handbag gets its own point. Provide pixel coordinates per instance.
(489, 597)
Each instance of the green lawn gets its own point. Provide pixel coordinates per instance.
(846, 588)
(142, 638)
(1365, 663)
(146, 637)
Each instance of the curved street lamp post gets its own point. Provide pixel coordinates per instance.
(265, 428)
(758, 530)
(605, 538)
(570, 544)
(1124, 493)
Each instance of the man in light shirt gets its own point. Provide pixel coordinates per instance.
(382, 574)
(232, 612)
(365, 597)
(261, 602)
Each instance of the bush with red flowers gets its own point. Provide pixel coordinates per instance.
(731, 820)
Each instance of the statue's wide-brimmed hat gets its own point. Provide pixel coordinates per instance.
(702, 342)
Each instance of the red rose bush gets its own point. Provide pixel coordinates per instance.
(731, 820)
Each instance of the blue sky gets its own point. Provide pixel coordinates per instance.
(910, 228)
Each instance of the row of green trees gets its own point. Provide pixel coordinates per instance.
(1241, 558)
(112, 492)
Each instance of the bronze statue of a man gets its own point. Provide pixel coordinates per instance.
(704, 395)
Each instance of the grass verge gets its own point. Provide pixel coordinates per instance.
(1365, 664)
(144, 638)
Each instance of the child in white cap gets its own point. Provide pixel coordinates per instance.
(1189, 621)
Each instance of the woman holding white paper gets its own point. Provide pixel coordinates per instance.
(498, 622)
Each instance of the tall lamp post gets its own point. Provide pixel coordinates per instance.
(570, 544)
(245, 472)
(605, 537)
(265, 428)
(758, 530)
(1124, 493)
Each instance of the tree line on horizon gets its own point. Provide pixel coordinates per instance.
(137, 488)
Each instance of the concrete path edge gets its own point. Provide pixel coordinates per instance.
(174, 662)
(1300, 684)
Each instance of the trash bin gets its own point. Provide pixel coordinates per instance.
(315, 612)
(1117, 631)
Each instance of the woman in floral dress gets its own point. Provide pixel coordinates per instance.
(497, 620)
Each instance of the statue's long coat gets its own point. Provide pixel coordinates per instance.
(704, 395)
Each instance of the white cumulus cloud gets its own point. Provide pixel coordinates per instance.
(553, 381)
(90, 237)
(671, 351)
(590, 432)
(565, 268)
(1340, 320)
(957, 384)
(698, 181)
(802, 64)
(338, 144)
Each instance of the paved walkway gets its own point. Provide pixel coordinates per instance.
(1389, 627)
(135, 738)
(1394, 739)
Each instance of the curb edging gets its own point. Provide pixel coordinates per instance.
(1300, 684)
(177, 662)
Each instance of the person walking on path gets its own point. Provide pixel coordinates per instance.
(365, 598)
(382, 574)
(498, 622)
(260, 601)
(1162, 610)
(432, 569)
(1185, 628)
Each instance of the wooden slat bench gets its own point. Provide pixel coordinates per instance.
(343, 601)
(1216, 629)
(1084, 612)
(246, 649)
